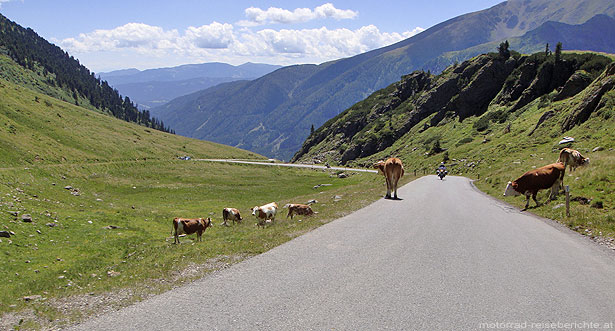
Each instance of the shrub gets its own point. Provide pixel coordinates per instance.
(464, 141)
(481, 124)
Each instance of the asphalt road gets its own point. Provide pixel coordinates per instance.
(446, 257)
(292, 165)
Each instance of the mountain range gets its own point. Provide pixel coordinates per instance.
(273, 115)
(155, 87)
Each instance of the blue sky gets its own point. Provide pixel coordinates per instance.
(109, 35)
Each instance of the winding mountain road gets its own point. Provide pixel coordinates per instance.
(446, 257)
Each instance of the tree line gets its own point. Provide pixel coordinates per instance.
(30, 51)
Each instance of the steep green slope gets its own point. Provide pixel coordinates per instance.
(278, 125)
(492, 120)
(60, 71)
(464, 90)
(37, 130)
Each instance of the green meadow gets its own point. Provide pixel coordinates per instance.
(101, 194)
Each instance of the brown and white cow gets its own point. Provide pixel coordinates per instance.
(534, 180)
(393, 170)
(298, 209)
(265, 213)
(189, 226)
(231, 214)
(572, 158)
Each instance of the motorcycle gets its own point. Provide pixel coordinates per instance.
(441, 173)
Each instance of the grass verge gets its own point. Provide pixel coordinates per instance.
(100, 234)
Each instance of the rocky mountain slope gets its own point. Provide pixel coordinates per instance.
(309, 95)
(504, 85)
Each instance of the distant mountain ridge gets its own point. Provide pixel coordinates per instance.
(597, 34)
(273, 115)
(155, 87)
(189, 71)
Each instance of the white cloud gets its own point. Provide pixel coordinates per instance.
(132, 35)
(221, 42)
(4, 1)
(214, 35)
(257, 16)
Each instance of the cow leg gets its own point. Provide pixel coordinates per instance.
(395, 188)
(527, 201)
(388, 196)
(176, 238)
(554, 190)
(534, 197)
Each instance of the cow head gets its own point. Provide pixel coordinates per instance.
(586, 161)
(510, 190)
(254, 210)
(208, 222)
(380, 166)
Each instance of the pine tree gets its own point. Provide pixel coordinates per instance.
(558, 52)
(503, 50)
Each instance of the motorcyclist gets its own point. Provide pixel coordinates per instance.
(441, 171)
(441, 167)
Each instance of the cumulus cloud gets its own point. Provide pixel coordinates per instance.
(217, 41)
(256, 16)
(214, 35)
(131, 35)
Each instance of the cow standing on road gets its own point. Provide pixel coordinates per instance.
(393, 170)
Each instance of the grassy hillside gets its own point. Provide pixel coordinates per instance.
(101, 194)
(492, 129)
(59, 70)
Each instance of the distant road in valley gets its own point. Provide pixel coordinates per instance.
(294, 165)
(446, 257)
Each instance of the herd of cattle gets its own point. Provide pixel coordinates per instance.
(264, 214)
(550, 176)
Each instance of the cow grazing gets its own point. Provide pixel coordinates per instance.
(231, 214)
(393, 170)
(189, 226)
(534, 180)
(265, 212)
(298, 209)
(572, 158)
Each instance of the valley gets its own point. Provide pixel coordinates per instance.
(92, 173)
